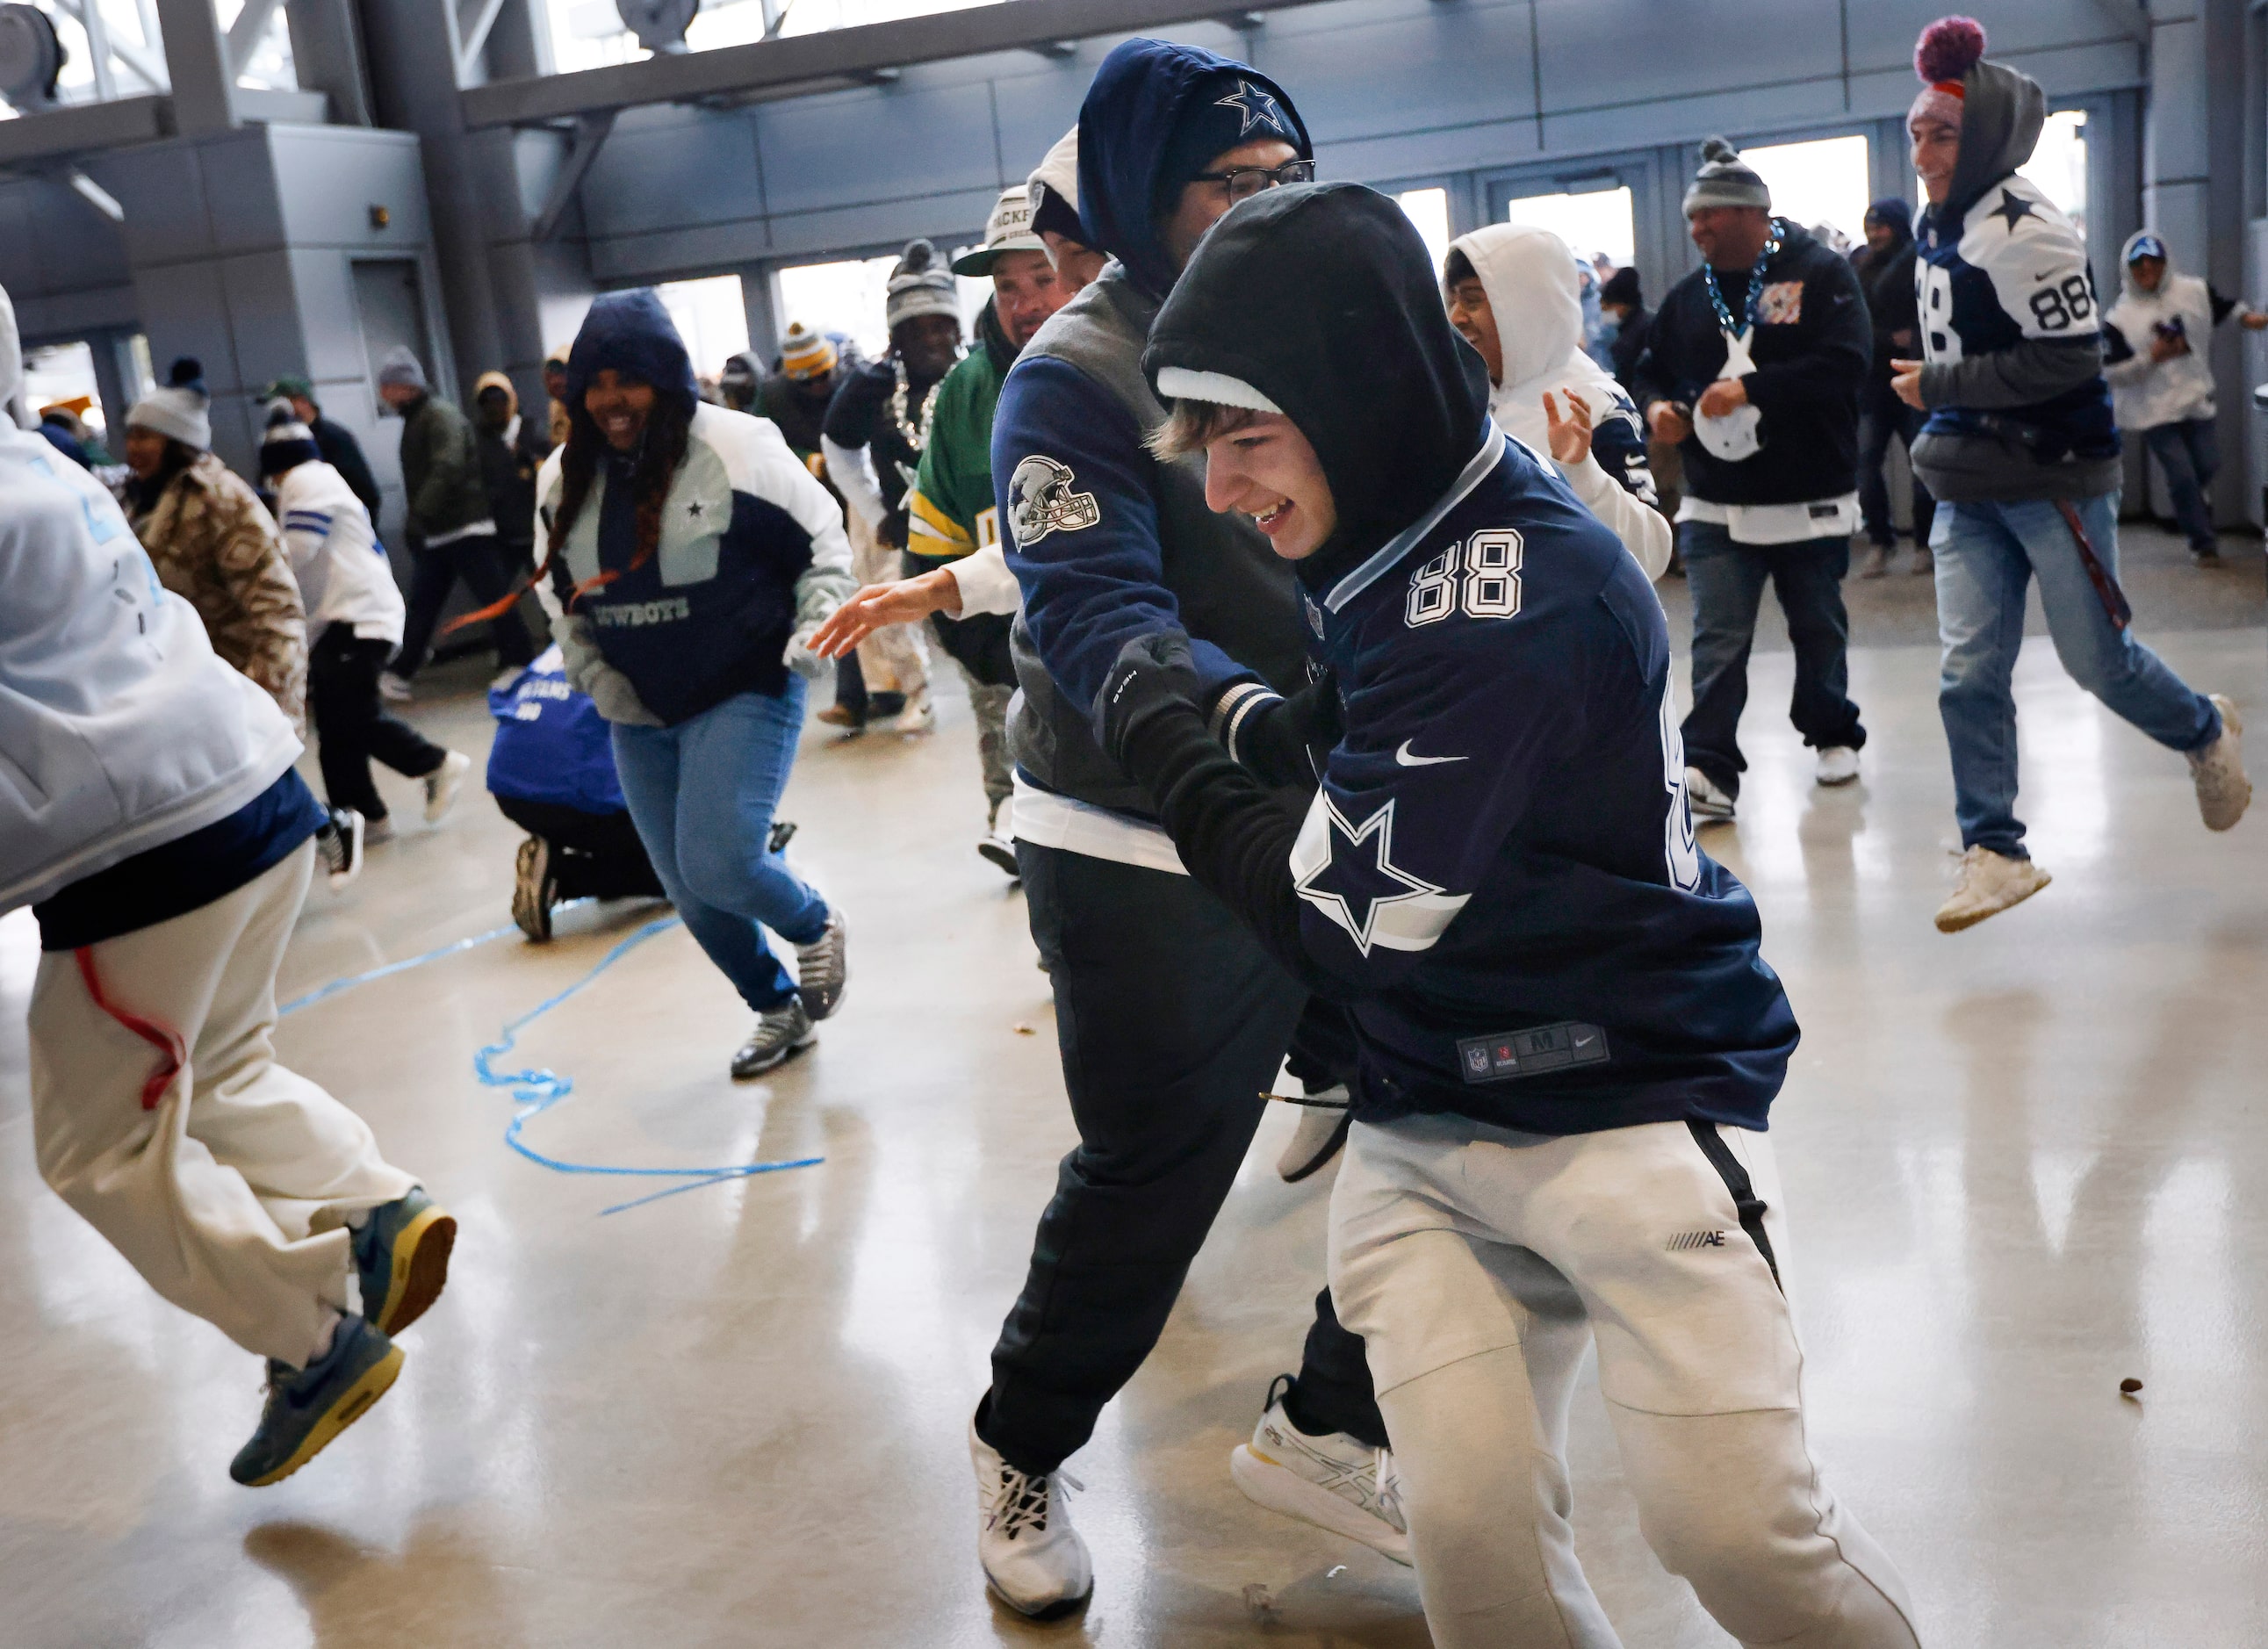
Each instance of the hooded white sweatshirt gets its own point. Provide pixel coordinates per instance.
(2145, 393)
(343, 574)
(120, 728)
(1534, 293)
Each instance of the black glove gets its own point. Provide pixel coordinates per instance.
(1275, 741)
(1156, 674)
(894, 529)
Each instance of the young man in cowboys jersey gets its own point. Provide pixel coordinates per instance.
(2023, 456)
(1569, 1041)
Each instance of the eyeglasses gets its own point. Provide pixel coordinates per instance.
(1243, 183)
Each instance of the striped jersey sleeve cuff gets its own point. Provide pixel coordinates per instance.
(1234, 710)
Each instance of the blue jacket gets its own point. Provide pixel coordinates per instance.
(552, 743)
(752, 548)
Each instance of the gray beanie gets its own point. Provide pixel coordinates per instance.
(400, 367)
(920, 285)
(1725, 180)
(182, 410)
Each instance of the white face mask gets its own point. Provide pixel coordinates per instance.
(1735, 435)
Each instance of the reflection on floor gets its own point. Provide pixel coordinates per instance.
(2023, 1164)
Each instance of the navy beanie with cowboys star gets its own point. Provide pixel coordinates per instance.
(1234, 106)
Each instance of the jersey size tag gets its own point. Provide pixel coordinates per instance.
(1531, 1052)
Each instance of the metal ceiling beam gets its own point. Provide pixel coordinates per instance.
(86, 128)
(834, 56)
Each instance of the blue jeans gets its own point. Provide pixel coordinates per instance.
(2187, 453)
(1986, 553)
(1728, 581)
(702, 795)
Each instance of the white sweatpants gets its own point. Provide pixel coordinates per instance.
(1475, 1263)
(231, 1195)
(891, 657)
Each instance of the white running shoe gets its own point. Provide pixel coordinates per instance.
(918, 716)
(395, 688)
(1334, 1482)
(1707, 801)
(1989, 883)
(1324, 1124)
(1838, 764)
(340, 845)
(1000, 851)
(443, 783)
(1034, 1560)
(2223, 792)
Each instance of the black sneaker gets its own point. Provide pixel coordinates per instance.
(339, 843)
(535, 889)
(1000, 850)
(780, 1035)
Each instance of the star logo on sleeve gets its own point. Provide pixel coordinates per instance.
(2011, 209)
(1357, 876)
(1258, 109)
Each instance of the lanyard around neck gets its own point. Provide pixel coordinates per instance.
(1755, 286)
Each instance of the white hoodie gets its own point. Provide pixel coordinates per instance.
(344, 577)
(2147, 392)
(120, 728)
(1534, 293)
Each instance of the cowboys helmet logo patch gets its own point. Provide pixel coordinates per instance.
(1040, 501)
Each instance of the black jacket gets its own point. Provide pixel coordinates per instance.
(508, 471)
(343, 452)
(1629, 345)
(1811, 348)
(1888, 280)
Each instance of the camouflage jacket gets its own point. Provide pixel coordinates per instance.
(216, 546)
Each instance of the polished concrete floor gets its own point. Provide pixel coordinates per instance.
(2023, 1163)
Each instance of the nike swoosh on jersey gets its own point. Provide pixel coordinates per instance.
(1403, 756)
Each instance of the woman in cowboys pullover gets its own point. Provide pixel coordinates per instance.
(688, 558)
(1568, 1040)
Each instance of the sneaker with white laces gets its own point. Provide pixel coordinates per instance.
(822, 968)
(1335, 1482)
(394, 688)
(1325, 1115)
(1989, 883)
(1708, 802)
(781, 1034)
(2223, 792)
(918, 716)
(339, 843)
(1838, 764)
(443, 783)
(1034, 1560)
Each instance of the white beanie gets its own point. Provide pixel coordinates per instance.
(182, 409)
(920, 285)
(1057, 178)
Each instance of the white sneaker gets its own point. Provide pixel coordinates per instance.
(340, 845)
(1989, 883)
(2223, 792)
(1034, 1560)
(918, 716)
(1000, 851)
(1334, 1482)
(392, 686)
(1706, 800)
(1838, 764)
(1323, 1122)
(443, 783)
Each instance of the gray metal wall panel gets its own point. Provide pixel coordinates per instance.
(327, 324)
(329, 177)
(72, 314)
(904, 143)
(1454, 65)
(639, 183)
(240, 187)
(1597, 54)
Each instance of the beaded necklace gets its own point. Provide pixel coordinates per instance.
(915, 435)
(1716, 293)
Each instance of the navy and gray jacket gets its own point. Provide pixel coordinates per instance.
(1107, 542)
(752, 546)
(1498, 872)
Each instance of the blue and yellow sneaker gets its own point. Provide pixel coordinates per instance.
(308, 1407)
(403, 1252)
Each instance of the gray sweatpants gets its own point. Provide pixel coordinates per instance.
(1477, 1261)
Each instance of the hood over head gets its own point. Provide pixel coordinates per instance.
(13, 404)
(1320, 298)
(2144, 243)
(2002, 111)
(487, 381)
(1533, 290)
(1151, 102)
(1895, 211)
(631, 333)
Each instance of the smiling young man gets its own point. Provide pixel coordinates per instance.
(1568, 1040)
(1171, 1019)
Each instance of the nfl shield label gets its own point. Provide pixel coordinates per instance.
(1040, 501)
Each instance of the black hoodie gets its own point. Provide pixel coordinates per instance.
(1365, 362)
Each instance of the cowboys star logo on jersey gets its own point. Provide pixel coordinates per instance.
(1040, 501)
(1347, 872)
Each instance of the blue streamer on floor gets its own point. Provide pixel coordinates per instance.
(538, 1090)
(337, 986)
